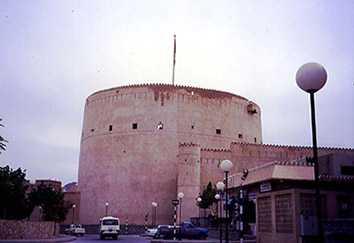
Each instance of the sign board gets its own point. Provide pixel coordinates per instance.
(252, 196)
(266, 187)
(175, 202)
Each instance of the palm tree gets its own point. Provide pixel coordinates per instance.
(2, 140)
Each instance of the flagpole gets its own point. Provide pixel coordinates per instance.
(174, 62)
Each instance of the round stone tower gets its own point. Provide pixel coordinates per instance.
(130, 142)
(188, 178)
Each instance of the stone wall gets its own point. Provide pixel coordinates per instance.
(72, 198)
(93, 229)
(339, 230)
(15, 229)
(246, 155)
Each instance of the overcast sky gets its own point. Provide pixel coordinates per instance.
(56, 53)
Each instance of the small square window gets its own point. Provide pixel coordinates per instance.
(160, 126)
(135, 125)
(92, 130)
(218, 131)
(192, 126)
(240, 136)
(110, 128)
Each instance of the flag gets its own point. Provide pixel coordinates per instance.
(174, 53)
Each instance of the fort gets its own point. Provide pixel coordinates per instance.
(130, 153)
(145, 143)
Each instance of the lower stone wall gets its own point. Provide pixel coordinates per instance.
(17, 229)
(214, 233)
(92, 229)
(339, 230)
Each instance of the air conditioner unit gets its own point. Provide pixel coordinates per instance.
(308, 225)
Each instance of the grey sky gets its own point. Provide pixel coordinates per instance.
(56, 53)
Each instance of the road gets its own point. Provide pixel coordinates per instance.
(121, 239)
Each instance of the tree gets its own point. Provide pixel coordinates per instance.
(51, 201)
(2, 140)
(13, 201)
(208, 196)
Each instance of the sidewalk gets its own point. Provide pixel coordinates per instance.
(198, 241)
(61, 238)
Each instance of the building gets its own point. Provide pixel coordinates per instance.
(130, 154)
(37, 214)
(145, 143)
(283, 198)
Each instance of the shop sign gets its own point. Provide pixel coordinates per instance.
(266, 187)
(252, 197)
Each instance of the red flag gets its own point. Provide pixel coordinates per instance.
(174, 62)
(174, 53)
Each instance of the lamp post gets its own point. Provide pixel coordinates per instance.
(311, 77)
(180, 196)
(217, 197)
(154, 205)
(107, 208)
(40, 213)
(73, 214)
(199, 200)
(220, 186)
(225, 166)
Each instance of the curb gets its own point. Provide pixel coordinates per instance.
(198, 241)
(61, 238)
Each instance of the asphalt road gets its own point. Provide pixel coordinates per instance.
(121, 239)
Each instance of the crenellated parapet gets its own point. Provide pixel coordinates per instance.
(281, 151)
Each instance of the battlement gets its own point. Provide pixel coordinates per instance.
(258, 145)
(207, 93)
(185, 144)
(162, 92)
(216, 150)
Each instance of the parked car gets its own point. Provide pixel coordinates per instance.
(75, 229)
(188, 230)
(153, 231)
(109, 227)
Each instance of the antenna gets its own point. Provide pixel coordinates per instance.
(174, 62)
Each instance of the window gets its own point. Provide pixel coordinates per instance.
(218, 131)
(240, 136)
(255, 140)
(135, 125)
(110, 128)
(192, 126)
(344, 207)
(92, 130)
(160, 126)
(265, 214)
(284, 213)
(347, 170)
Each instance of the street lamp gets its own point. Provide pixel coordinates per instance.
(311, 77)
(107, 208)
(154, 205)
(225, 166)
(220, 186)
(180, 196)
(40, 213)
(217, 197)
(199, 200)
(73, 213)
